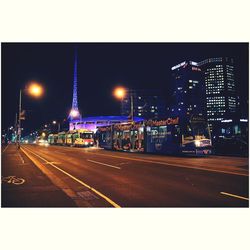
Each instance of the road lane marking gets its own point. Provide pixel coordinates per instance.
(54, 162)
(158, 162)
(77, 180)
(6, 148)
(13, 180)
(111, 166)
(171, 165)
(57, 181)
(21, 158)
(235, 196)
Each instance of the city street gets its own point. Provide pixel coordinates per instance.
(57, 176)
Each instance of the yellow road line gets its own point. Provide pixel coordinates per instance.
(77, 180)
(6, 148)
(171, 165)
(101, 163)
(235, 196)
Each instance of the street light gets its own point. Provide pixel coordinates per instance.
(34, 89)
(120, 93)
(59, 125)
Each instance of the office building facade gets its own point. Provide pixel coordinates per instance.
(221, 97)
(188, 90)
(148, 104)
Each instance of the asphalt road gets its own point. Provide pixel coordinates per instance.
(101, 178)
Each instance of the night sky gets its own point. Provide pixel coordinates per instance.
(100, 68)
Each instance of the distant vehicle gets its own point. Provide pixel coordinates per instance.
(190, 135)
(42, 142)
(52, 139)
(61, 140)
(77, 138)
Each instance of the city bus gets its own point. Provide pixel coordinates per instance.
(189, 135)
(83, 138)
(77, 138)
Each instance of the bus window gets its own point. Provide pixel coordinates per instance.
(126, 141)
(117, 140)
(187, 133)
(86, 135)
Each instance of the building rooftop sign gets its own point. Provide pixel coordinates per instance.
(178, 65)
(193, 63)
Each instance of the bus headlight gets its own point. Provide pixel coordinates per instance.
(86, 143)
(197, 143)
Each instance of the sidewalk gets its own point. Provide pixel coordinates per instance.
(32, 188)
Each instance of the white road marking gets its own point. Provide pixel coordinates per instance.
(235, 196)
(101, 163)
(76, 179)
(54, 162)
(170, 164)
(22, 160)
(6, 148)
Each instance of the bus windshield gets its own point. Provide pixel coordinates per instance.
(86, 135)
(200, 130)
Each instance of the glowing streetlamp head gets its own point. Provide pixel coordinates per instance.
(119, 92)
(54, 122)
(35, 89)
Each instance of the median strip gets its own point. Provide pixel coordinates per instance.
(76, 179)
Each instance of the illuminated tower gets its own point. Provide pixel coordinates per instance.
(74, 113)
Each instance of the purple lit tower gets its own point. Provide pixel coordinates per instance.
(74, 113)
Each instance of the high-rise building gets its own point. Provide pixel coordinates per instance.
(149, 104)
(221, 97)
(208, 88)
(188, 90)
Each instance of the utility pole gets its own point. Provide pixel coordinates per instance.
(19, 119)
(16, 129)
(59, 127)
(132, 106)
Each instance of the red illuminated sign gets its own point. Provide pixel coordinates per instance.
(169, 121)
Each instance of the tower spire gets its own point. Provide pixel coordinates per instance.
(74, 113)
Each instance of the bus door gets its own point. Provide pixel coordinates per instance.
(69, 139)
(105, 137)
(117, 139)
(137, 139)
(126, 140)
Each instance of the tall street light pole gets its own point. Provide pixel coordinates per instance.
(120, 93)
(35, 90)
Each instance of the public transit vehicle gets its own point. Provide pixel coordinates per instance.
(52, 139)
(77, 138)
(189, 135)
(61, 138)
